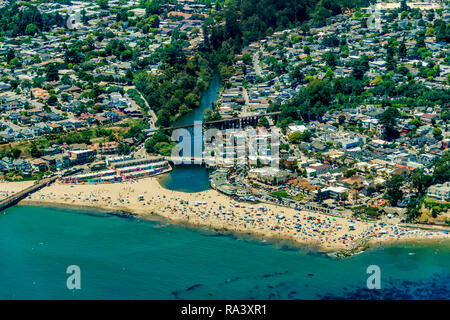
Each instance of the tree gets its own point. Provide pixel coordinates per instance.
(306, 136)
(390, 60)
(393, 189)
(402, 52)
(295, 137)
(421, 181)
(52, 100)
(159, 136)
(389, 120)
(34, 151)
(330, 59)
(15, 153)
(52, 73)
(84, 17)
(31, 29)
(103, 4)
(403, 6)
(247, 58)
(297, 74)
(441, 172)
(413, 210)
(136, 132)
(263, 122)
(350, 173)
(123, 149)
(437, 134)
(10, 55)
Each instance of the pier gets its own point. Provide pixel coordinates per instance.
(16, 197)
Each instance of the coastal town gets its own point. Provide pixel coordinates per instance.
(334, 134)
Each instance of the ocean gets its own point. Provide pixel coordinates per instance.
(123, 257)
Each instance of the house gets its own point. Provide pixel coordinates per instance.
(331, 193)
(319, 147)
(52, 150)
(427, 117)
(270, 175)
(39, 164)
(81, 156)
(439, 192)
(39, 93)
(22, 165)
(349, 143)
(105, 147)
(302, 185)
(320, 168)
(55, 127)
(98, 165)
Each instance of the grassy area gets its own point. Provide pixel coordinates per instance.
(282, 194)
(431, 203)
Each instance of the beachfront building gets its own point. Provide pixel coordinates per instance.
(105, 147)
(81, 156)
(111, 161)
(337, 193)
(135, 162)
(123, 168)
(439, 192)
(141, 167)
(302, 186)
(93, 177)
(270, 175)
(145, 170)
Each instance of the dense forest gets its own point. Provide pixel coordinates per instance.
(20, 19)
(244, 21)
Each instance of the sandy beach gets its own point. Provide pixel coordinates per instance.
(148, 199)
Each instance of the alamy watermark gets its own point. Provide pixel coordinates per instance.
(74, 20)
(74, 280)
(374, 281)
(374, 20)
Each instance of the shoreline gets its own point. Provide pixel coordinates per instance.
(153, 216)
(246, 236)
(321, 234)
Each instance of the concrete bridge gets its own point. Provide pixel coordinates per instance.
(186, 160)
(16, 197)
(233, 123)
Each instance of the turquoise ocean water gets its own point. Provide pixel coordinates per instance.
(129, 258)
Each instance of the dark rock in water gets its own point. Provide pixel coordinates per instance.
(195, 286)
(177, 293)
(432, 289)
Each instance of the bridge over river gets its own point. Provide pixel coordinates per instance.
(240, 122)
